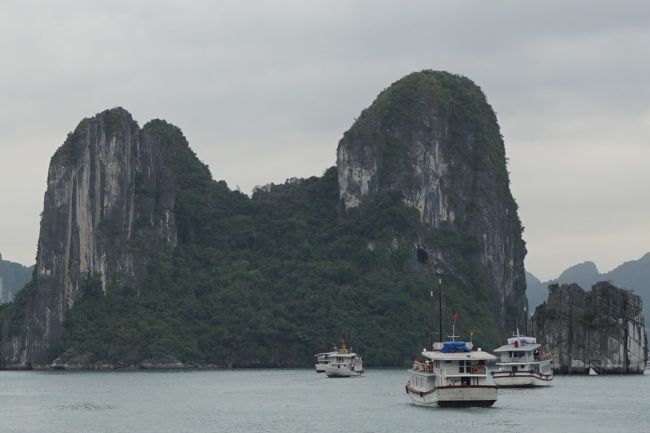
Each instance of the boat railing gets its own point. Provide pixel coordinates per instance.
(518, 359)
(479, 369)
(423, 367)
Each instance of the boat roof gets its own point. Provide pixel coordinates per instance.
(519, 343)
(518, 348)
(522, 339)
(477, 355)
(326, 354)
(344, 355)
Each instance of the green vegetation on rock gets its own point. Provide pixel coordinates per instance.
(271, 280)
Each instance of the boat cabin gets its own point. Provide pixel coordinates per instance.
(455, 364)
(523, 354)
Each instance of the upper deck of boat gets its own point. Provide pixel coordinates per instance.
(474, 355)
(519, 343)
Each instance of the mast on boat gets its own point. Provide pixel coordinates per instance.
(423, 257)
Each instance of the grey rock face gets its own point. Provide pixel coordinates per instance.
(433, 137)
(98, 217)
(631, 275)
(603, 329)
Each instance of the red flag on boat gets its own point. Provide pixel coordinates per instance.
(456, 316)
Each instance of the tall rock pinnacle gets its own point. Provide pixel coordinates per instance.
(97, 213)
(433, 137)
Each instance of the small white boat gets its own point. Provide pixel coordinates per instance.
(452, 375)
(522, 363)
(322, 359)
(592, 372)
(344, 363)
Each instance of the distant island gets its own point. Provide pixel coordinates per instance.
(144, 260)
(13, 276)
(601, 331)
(632, 275)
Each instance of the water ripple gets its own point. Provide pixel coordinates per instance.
(83, 407)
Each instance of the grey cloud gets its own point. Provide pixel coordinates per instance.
(264, 91)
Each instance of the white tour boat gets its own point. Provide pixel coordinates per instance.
(452, 375)
(322, 359)
(344, 363)
(522, 363)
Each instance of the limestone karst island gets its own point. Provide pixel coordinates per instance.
(145, 260)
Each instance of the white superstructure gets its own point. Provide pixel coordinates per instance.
(344, 363)
(522, 363)
(322, 359)
(452, 374)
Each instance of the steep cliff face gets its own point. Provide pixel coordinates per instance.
(603, 329)
(109, 202)
(143, 257)
(433, 138)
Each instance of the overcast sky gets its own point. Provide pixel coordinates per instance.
(264, 90)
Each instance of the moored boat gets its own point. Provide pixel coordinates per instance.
(322, 359)
(452, 374)
(344, 363)
(522, 363)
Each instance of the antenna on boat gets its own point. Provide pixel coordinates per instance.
(439, 270)
(423, 257)
(517, 327)
(453, 335)
(526, 319)
(432, 319)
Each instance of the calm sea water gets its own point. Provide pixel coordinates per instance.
(303, 401)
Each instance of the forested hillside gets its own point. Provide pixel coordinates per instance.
(164, 262)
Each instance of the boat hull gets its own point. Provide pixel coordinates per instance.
(341, 371)
(455, 396)
(520, 379)
(320, 368)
